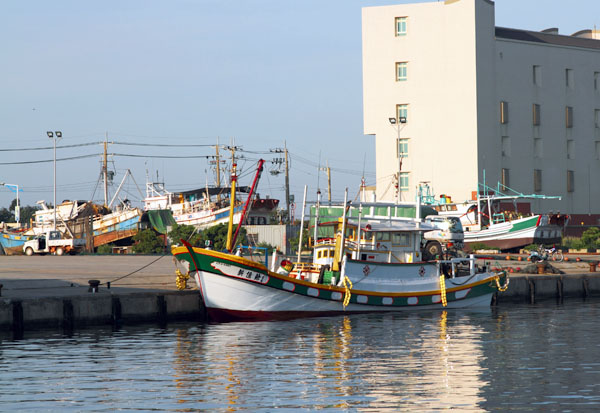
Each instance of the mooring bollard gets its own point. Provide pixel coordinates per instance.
(593, 265)
(93, 286)
(1, 289)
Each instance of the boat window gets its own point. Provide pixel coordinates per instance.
(367, 236)
(320, 254)
(451, 207)
(382, 236)
(401, 238)
(331, 253)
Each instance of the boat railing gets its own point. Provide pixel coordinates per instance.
(449, 267)
(306, 266)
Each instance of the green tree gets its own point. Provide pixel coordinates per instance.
(188, 233)
(27, 211)
(305, 237)
(591, 237)
(6, 215)
(218, 235)
(105, 249)
(148, 242)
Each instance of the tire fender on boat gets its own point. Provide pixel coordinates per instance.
(322, 272)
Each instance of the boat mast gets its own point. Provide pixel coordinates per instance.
(218, 171)
(302, 223)
(232, 199)
(105, 170)
(287, 183)
(259, 170)
(338, 259)
(318, 206)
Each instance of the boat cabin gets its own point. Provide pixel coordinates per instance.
(397, 241)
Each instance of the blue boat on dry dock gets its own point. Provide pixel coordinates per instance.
(12, 242)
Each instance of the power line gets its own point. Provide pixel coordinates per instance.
(160, 156)
(49, 160)
(161, 145)
(48, 147)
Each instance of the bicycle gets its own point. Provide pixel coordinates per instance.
(553, 252)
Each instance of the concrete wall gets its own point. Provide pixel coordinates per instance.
(514, 74)
(458, 73)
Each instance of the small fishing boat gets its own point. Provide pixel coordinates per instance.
(370, 266)
(497, 219)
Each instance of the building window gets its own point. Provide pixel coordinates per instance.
(505, 146)
(569, 116)
(402, 112)
(597, 118)
(402, 148)
(503, 112)
(401, 69)
(505, 179)
(538, 149)
(570, 181)
(537, 75)
(404, 181)
(570, 149)
(401, 26)
(597, 146)
(596, 81)
(569, 78)
(537, 180)
(536, 114)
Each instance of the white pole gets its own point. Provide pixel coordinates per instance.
(302, 223)
(358, 235)
(54, 140)
(18, 212)
(344, 224)
(317, 216)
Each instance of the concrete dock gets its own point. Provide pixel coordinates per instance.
(54, 292)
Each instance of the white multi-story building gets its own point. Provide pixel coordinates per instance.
(512, 106)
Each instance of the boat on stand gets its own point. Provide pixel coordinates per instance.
(497, 218)
(370, 265)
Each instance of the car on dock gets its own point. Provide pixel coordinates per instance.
(53, 242)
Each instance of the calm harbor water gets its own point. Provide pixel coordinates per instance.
(518, 358)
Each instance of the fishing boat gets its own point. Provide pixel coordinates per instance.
(499, 219)
(205, 207)
(370, 266)
(12, 242)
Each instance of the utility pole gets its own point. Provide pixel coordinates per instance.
(287, 183)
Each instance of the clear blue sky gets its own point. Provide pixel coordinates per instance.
(189, 71)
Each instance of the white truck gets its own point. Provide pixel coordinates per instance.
(448, 237)
(53, 242)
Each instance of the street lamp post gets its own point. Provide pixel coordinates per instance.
(54, 136)
(396, 124)
(17, 207)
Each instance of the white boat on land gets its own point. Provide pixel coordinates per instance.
(369, 266)
(204, 207)
(496, 219)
